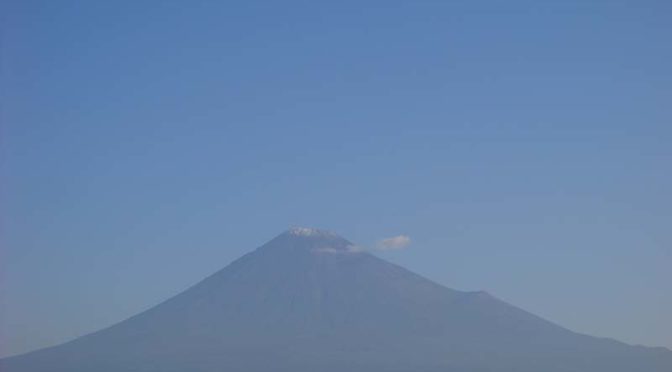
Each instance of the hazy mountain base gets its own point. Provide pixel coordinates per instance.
(309, 301)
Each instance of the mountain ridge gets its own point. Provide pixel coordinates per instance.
(308, 301)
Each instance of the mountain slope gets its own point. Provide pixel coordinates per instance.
(310, 301)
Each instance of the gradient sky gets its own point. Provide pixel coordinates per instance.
(524, 146)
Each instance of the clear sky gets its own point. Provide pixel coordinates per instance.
(523, 146)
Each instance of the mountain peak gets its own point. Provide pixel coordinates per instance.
(310, 301)
(310, 239)
(309, 231)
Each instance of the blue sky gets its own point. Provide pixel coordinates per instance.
(523, 146)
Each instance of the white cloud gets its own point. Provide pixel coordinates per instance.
(393, 243)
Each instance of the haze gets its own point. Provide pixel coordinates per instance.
(522, 148)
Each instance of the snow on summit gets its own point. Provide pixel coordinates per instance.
(308, 231)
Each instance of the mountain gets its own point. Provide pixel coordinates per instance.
(310, 301)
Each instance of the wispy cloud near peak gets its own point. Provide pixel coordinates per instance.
(394, 243)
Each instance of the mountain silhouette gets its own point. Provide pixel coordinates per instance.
(311, 301)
